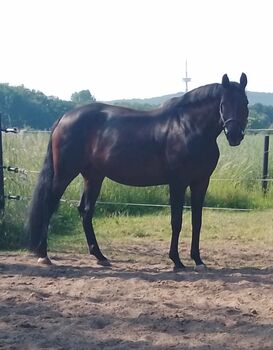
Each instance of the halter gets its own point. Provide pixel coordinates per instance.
(225, 122)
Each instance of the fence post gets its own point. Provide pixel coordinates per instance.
(265, 164)
(2, 195)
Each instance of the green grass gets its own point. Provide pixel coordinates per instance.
(234, 184)
(254, 228)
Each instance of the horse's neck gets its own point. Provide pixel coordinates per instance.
(202, 118)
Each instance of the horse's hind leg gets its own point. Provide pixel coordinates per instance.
(177, 193)
(58, 188)
(86, 210)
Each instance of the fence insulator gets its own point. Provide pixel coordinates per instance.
(17, 198)
(10, 168)
(13, 130)
(13, 169)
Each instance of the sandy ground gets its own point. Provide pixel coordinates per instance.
(138, 303)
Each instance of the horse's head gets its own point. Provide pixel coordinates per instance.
(234, 109)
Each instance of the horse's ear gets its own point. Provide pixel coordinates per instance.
(243, 80)
(225, 81)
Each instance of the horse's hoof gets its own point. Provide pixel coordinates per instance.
(200, 268)
(45, 261)
(104, 262)
(179, 268)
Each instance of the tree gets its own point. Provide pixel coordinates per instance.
(260, 116)
(21, 107)
(82, 97)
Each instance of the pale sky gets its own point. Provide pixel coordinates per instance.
(134, 48)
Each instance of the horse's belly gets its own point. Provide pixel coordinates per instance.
(138, 182)
(137, 175)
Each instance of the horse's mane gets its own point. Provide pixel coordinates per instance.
(197, 95)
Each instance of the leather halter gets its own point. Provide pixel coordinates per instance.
(225, 122)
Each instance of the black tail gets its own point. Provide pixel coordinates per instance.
(42, 204)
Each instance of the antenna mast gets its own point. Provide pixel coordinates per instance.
(186, 79)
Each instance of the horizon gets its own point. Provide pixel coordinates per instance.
(119, 99)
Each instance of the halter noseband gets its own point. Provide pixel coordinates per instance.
(225, 122)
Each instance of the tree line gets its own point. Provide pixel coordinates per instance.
(24, 108)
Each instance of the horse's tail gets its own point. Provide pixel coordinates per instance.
(42, 205)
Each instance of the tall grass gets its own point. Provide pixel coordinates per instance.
(235, 184)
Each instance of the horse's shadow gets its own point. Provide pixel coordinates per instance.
(133, 270)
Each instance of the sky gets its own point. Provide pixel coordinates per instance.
(120, 49)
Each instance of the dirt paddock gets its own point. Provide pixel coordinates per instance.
(138, 303)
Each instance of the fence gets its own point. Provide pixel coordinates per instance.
(264, 178)
(2, 167)
(266, 133)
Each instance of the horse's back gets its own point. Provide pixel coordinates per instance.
(123, 144)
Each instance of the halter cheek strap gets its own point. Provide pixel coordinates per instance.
(225, 122)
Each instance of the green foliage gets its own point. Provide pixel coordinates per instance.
(24, 108)
(82, 97)
(260, 116)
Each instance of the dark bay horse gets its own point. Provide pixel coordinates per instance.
(174, 144)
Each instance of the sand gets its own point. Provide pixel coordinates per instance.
(138, 303)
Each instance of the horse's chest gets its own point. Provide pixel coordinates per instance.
(195, 158)
(199, 152)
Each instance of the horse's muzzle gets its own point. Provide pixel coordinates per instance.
(234, 137)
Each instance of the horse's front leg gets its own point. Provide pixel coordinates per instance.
(177, 195)
(198, 192)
